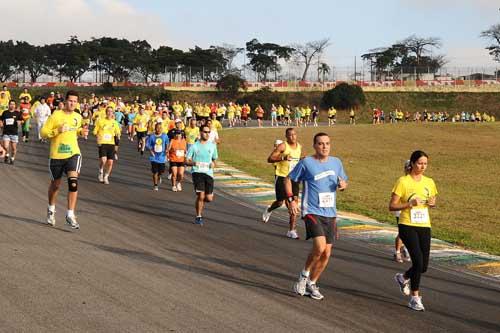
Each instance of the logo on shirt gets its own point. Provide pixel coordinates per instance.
(324, 174)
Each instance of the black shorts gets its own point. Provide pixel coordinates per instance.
(117, 141)
(317, 226)
(141, 135)
(244, 118)
(59, 166)
(260, 118)
(176, 164)
(157, 167)
(279, 188)
(107, 151)
(203, 183)
(331, 117)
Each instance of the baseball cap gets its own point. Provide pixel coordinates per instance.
(178, 120)
(278, 142)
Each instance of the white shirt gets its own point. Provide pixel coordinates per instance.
(42, 112)
(213, 136)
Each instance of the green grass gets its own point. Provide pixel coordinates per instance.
(464, 162)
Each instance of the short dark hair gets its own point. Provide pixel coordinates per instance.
(72, 93)
(203, 126)
(318, 135)
(288, 130)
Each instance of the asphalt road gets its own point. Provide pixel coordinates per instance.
(138, 264)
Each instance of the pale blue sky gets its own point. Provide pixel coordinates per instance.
(354, 27)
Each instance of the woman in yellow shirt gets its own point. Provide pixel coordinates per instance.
(413, 195)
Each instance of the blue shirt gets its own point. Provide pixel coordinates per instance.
(119, 117)
(320, 181)
(203, 154)
(158, 144)
(131, 117)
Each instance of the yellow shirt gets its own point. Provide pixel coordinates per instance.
(7, 94)
(4, 103)
(284, 167)
(192, 134)
(63, 145)
(105, 130)
(141, 122)
(407, 189)
(332, 112)
(216, 124)
(22, 95)
(165, 125)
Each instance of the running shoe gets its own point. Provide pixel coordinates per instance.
(299, 287)
(11, 161)
(404, 285)
(106, 180)
(174, 188)
(312, 290)
(416, 303)
(71, 221)
(398, 257)
(100, 177)
(266, 214)
(198, 220)
(292, 234)
(179, 187)
(169, 176)
(116, 157)
(6, 158)
(142, 152)
(51, 217)
(155, 188)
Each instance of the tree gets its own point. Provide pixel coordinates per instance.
(7, 60)
(229, 52)
(113, 56)
(70, 59)
(145, 60)
(207, 64)
(344, 97)
(323, 69)
(264, 57)
(493, 34)
(169, 59)
(305, 53)
(420, 46)
(33, 59)
(231, 84)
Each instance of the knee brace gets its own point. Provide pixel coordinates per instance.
(72, 184)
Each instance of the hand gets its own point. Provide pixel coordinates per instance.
(212, 165)
(416, 202)
(293, 208)
(85, 131)
(342, 185)
(63, 128)
(431, 202)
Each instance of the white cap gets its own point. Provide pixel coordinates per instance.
(278, 142)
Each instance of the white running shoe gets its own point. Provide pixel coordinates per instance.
(51, 217)
(266, 214)
(155, 188)
(313, 291)
(71, 221)
(292, 234)
(169, 176)
(416, 303)
(404, 285)
(299, 287)
(179, 187)
(106, 180)
(174, 188)
(100, 177)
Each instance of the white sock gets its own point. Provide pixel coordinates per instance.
(305, 273)
(52, 208)
(101, 170)
(70, 213)
(397, 252)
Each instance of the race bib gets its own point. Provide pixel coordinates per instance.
(9, 121)
(158, 148)
(107, 137)
(179, 153)
(419, 215)
(327, 199)
(203, 166)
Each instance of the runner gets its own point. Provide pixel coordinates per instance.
(192, 133)
(274, 116)
(141, 127)
(42, 113)
(177, 157)
(413, 195)
(352, 117)
(202, 156)
(214, 134)
(259, 113)
(322, 175)
(131, 132)
(315, 115)
(245, 110)
(157, 144)
(25, 108)
(332, 116)
(63, 128)
(106, 130)
(10, 122)
(398, 243)
(285, 156)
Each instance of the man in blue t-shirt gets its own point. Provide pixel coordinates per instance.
(157, 144)
(321, 175)
(202, 156)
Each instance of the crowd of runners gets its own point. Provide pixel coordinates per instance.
(177, 137)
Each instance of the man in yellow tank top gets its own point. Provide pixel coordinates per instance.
(285, 156)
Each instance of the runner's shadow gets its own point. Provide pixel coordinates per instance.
(152, 258)
(30, 221)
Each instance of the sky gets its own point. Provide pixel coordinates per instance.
(354, 27)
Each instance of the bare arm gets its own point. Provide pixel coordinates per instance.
(275, 155)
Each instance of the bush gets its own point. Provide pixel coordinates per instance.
(107, 87)
(163, 95)
(231, 84)
(263, 97)
(344, 97)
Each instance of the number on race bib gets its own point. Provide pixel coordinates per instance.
(9, 121)
(327, 199)
(107, 137)
(179, 153)
(419, 215)
(203, 166)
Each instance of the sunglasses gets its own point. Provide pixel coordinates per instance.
(208, 132)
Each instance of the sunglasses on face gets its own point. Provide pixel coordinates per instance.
(207, 132)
